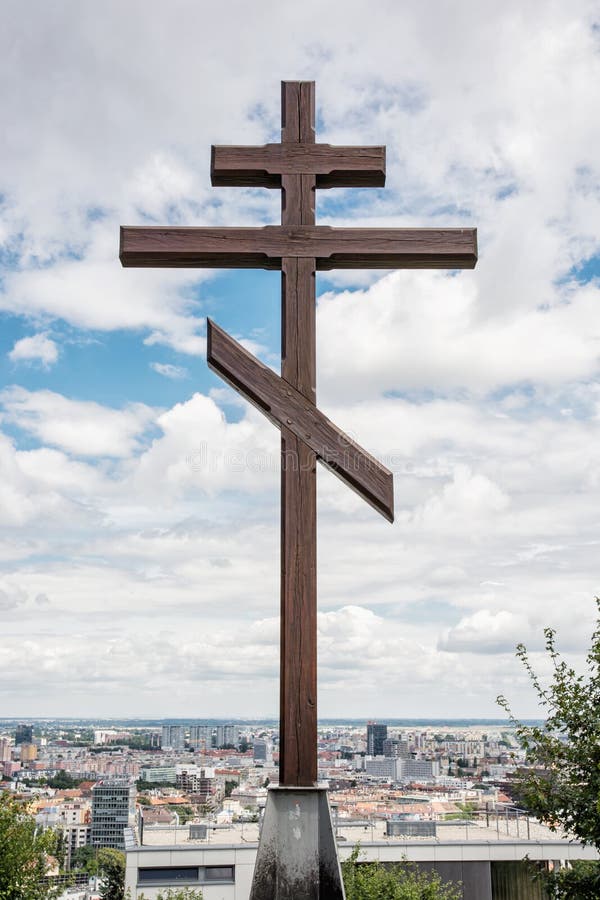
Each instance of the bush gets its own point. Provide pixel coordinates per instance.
(401, 881)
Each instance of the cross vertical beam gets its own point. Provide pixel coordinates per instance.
(298, 661)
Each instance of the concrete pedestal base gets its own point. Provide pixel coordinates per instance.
(297, 855)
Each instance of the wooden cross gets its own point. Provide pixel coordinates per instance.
(299, 248)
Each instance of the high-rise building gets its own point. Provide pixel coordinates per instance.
(24, 734)
(376, 735)
(113, 809)
(28, 752)
(228, 735)
(173, 737)
(395, 747)
(4, 750)
(201, 736)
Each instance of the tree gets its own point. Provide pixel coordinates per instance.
(563, 791)
(401, 881)
(111, 867)
(563, 787)
(84, 859)
(580, 882)
(24, 852)
(62, 780)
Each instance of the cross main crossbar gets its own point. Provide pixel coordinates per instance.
(332, 248)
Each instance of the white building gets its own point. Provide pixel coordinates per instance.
(221, 863)
(154, 774)
(383, 767)
(418, 769)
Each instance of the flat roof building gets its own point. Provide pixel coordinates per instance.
(113, 810)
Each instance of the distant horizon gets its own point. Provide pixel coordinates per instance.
(149, 722)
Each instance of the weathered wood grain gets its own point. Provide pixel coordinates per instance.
(286, 407)
(297, 112)
(298, 672)
(333, 248)
(263, 166)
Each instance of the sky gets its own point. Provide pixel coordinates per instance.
(139, 498)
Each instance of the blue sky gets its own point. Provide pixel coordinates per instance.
(139, 498)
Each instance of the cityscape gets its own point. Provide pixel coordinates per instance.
(200, 786)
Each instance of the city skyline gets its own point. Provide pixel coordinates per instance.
(139, 509)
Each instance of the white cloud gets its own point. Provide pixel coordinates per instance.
(37, 347)
(169, 370)
(80, 427)
(423, 331)
(96, 293)
(487, 632)
(200, 451)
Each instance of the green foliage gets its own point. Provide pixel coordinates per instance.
(63, 781)
(111, 867)
(581, 882)
(229, 787)
(466, 811)
(136, 742)
(24, 854)
(401, 881)
(185, 811)
(564, 789)
(84, 859)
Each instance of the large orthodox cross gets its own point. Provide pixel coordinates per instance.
(299, 248)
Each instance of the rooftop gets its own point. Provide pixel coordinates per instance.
(496, 829)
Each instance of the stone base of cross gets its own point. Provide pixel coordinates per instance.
(297, 857)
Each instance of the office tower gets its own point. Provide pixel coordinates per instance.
(173, 737)
(376, 735)
(24, 734)
(113, 809)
